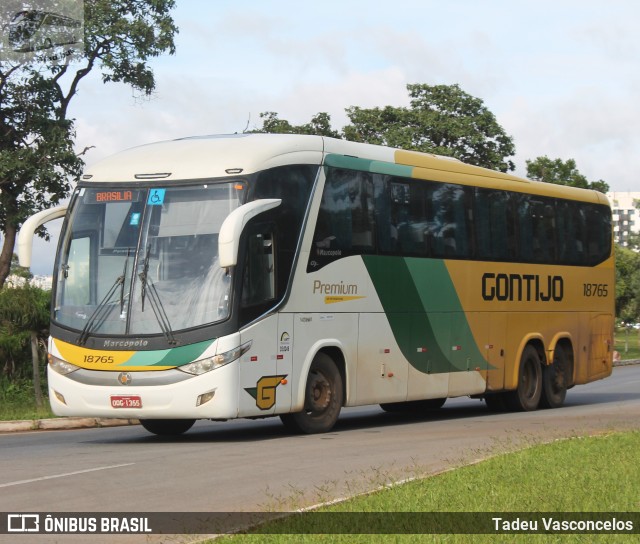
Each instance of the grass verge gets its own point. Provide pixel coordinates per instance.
(627, 343)
(594, 474)
(17, 401)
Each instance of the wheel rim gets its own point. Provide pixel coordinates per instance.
(319, 393)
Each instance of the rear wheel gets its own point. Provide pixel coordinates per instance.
(167, 427)
(527, 396)
(554, 380)
(323, 399)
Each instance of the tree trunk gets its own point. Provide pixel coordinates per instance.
(35, 363)
(7, 252)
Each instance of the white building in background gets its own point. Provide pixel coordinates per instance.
(42, 282)
(626, 217)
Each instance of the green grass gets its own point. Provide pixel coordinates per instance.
(600, 474)
(627, 343)
(17, 401)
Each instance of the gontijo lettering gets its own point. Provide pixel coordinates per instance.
(525, 287)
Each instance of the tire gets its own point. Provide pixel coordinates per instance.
(322, 401)
(527, 396)
(413, 406)
(167, 427)
(554, 380)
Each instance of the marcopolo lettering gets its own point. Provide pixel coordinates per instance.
(522, 288)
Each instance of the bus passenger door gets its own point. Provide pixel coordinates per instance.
(284, 362)
(259, 378)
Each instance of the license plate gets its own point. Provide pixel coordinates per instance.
(126, 401)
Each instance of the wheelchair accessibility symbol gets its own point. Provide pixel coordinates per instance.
(156, 197)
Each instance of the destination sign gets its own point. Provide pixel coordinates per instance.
(101, 197)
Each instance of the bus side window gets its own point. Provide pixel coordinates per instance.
(570, 234)
(449, 220)
(494, 225)
(598, 233)
(345, 221)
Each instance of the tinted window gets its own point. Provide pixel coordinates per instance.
(363, 212)
(494, 224)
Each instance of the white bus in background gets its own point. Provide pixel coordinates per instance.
(34, 30)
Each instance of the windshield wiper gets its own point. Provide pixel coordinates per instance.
(101, 312)
(124, 275)
(154, 300)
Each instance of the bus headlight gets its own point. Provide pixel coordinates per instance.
(211, 363)
(61, 366)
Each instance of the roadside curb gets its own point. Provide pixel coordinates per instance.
(627, 363)
(66, 423)
(62, 423)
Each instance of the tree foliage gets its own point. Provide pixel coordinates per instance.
(627, 285)
(319, 125)
(441, 119)
(24, 323)
(562, 173)
(37, 158)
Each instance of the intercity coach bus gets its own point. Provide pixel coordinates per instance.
(256, 275)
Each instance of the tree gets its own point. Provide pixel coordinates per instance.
(442, 119)
(561, 173)
(320, 125)
(37, 159)
(22, 274)
(627, 285)
(24, 321)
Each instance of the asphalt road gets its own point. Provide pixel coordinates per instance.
(255, 465)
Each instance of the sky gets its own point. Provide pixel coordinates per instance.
(561, 77)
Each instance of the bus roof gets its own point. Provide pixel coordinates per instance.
(205, 157)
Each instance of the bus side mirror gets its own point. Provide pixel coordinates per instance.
(25, 236)
(233, 226)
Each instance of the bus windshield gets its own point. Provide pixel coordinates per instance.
(144, 261)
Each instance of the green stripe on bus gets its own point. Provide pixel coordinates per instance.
(366, 165)
(169, 357)
(425, 314)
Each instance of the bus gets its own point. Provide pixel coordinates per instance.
(257, 275)
(34, 30)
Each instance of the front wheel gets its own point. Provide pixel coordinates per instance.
(167, 427)
(323, 399)
(527, 396)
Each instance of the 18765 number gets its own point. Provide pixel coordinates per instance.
(595, 289)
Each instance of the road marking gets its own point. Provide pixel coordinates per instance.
(20, 482)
